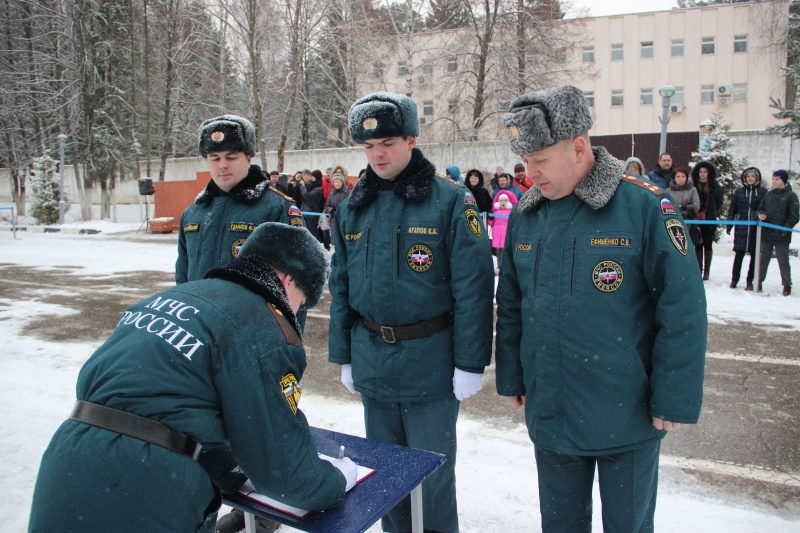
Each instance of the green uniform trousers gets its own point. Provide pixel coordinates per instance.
(628, 485)
(427, 426)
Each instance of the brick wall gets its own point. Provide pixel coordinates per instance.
(173, 197)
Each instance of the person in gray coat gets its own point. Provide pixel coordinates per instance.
(686, 200)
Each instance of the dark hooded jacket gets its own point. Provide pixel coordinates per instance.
(781, 207)
(710, 200)
(744, 207)
(482, 196)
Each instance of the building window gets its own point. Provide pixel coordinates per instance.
(706, 94)
(739, 43)
(377, 71)
(677, 98)
(617, 99)
(476, 63)
(647, 97)
(588, 54)
(452, 64)
(739, 92)
(647, 50)
(452, 104)
(589, 95)
(677, 47)
(427, 68)
(402, 68)
(427, 108)
(616, 52)
(707, 48)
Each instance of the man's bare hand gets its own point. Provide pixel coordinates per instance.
(665, 424)
(516, 401)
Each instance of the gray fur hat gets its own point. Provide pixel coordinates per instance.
(541, 119)
(227, 133)
(380, 115)
(291, 249)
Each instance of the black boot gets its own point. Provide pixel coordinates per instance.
(699, 253)
(707, 266)
(787, 290)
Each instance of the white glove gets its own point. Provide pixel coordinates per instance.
(465, 384)
(347, 378)
(347, 467)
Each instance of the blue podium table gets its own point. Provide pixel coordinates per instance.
(399, 472)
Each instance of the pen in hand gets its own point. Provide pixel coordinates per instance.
(341, 452)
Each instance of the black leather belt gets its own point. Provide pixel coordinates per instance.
(392, 334)
(135, 426)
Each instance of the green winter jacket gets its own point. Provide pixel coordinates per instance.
(211, 359)
(403, 256)
(601, 317)
(216, 225)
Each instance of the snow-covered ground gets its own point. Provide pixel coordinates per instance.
(495, 472)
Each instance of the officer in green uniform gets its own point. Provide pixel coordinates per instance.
(236, 200)
(601, 319)
(412, 284)
(188, 374)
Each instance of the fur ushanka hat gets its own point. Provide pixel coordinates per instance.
(380, 115)
(227, 133)
(540, 119)
(291, 249)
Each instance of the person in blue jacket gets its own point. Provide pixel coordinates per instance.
(411, 314)
(236, 200)
(601, 319)
(192, 380)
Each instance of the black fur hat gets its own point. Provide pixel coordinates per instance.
(227, 133)
(380, 115)
(291, 249)
(541, 119)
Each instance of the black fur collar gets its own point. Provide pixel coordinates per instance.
(259, 277)
(247, 191)
(413, 184)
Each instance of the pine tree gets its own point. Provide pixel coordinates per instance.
(716, 147)
(45, 189)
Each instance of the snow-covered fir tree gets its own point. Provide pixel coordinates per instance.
(718, 148)
(44, 182)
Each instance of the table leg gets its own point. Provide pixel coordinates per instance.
(416, 510)
(249, 522)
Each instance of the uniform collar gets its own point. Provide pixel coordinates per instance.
(414, 183)
(595, 190)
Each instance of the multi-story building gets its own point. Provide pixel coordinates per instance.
(723, 57)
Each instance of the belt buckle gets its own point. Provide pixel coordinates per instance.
(387, 332)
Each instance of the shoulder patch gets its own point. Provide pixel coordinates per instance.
(653, 188)
(291, 391)
(281, 194)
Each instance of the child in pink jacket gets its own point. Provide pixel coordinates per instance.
(504, 200)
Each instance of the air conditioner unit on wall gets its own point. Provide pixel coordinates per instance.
(422, 80)
(676, 108)
(724, 100)
(725, 90)
(423, 121)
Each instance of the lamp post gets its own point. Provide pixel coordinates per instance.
(62, 140)
(666, 92)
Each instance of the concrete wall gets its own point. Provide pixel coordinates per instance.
(765, 151)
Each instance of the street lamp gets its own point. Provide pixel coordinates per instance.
(62, 140)
(666, 92)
